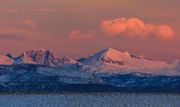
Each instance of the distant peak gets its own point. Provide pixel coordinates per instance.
(108, 55)
(110, 49)
(40, 49)
(38, 56)
(114, 52)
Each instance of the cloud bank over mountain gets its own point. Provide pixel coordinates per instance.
(134, 27)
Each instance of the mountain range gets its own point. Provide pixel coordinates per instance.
(106, 70)
(107, 60)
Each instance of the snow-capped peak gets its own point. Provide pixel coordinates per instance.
(114, 61)
(108, 55)
(43, 57)
(38, 56)
(114, 54)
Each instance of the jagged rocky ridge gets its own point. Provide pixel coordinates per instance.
(41, 57)
(107, 70)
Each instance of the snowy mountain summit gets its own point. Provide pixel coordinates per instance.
(39, 56)
(113, 61)
(108, 55)
(42, 56)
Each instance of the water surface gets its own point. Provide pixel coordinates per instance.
(90, 100)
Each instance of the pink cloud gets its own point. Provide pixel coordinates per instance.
(77, 34)
(7, 33)
(29, 23)
(43, 10)
(134, 27)
(21, 23)
(164, 31)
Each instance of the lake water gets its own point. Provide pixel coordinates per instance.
(90, 100)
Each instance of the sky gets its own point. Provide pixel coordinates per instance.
(78, 28)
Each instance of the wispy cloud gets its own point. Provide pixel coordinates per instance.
(29, 22)
(20, 34)
(134, 27)
(21, 23)
(77, 34)
(9, 36)
(40, 10)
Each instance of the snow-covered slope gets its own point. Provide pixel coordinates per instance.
(5, 60)
(114, 61)
(40, 78)
(66, 60)
(40, 73)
